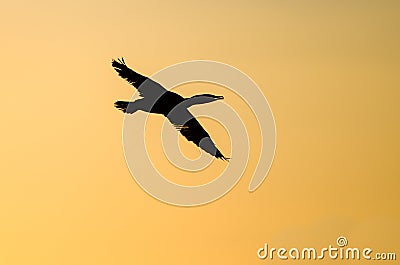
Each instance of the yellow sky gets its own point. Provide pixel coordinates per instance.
(329, 69)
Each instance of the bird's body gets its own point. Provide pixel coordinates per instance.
(156, 99)
(166, 102)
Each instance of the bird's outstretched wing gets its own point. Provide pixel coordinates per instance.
(192, 130)
(146, 87)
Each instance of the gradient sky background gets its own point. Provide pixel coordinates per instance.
(329, 69)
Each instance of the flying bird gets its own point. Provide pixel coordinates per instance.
(156, 99)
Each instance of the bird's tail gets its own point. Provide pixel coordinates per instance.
(121, 105)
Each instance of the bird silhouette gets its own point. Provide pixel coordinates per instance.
(156, 99)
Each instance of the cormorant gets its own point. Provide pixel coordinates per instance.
(156, 99)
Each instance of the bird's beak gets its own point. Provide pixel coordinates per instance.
(219, 97)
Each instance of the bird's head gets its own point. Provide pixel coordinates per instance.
(206, 98)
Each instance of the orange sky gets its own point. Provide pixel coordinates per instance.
(329, 70)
